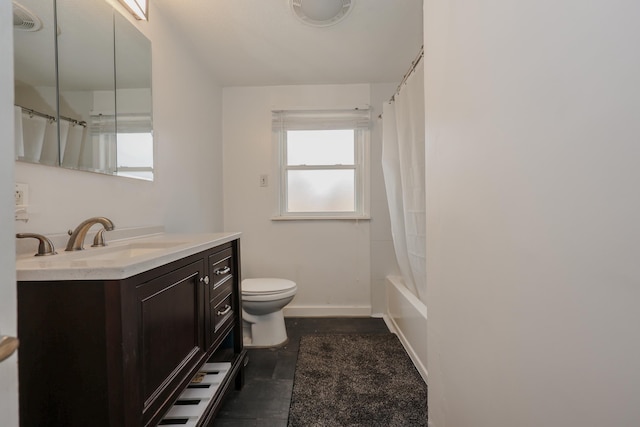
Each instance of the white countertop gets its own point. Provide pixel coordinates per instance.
(119, 260)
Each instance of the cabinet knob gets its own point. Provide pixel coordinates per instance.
(205, 279)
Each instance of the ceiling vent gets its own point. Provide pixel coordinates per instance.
(24, 19)
(321, 13)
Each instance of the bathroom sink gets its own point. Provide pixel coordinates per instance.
(128, 251)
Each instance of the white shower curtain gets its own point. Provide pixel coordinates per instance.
(33, 129)
(71, 153)
(49, 153)
(403, 164)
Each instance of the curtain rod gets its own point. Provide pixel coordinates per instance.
(52, 118)
(412, 68)
(414, 64)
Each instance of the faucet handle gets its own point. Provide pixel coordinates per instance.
(45, 247)
(98, 240)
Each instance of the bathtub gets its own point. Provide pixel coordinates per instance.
(406, 316)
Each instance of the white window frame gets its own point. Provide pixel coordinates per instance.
(357, 119)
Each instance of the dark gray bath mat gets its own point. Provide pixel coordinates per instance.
(356, 380)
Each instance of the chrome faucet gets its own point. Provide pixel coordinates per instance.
(76, 241)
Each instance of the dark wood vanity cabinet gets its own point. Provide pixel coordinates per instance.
(119, 352)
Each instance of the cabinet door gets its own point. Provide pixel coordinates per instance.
(171, 317)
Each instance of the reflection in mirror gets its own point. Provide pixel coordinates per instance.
(67, 117)
(86, 81)
(36, 129)
(133, 101)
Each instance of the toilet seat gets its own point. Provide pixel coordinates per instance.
(265, 287)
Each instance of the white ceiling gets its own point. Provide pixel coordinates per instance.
(261, 42)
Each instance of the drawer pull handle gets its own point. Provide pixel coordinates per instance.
(222, 271)
(205, 279)
(227, 308)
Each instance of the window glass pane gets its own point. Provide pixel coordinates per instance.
(135, 150)
(135, 155)
(321, 190)
(320, 147)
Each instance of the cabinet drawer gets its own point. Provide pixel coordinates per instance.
(221, 267)
(222, 309)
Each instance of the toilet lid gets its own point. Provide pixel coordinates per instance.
(266, 286)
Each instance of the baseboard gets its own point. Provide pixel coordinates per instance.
(390, 324)
(326, 311)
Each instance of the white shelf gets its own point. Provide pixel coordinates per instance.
(194, 400)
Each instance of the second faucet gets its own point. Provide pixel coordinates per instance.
(76, 241)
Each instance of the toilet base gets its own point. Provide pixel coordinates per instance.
(267, 330)
(248, 344)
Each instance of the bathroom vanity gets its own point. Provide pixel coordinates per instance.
(113, 336)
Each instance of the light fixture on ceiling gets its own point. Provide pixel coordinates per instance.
(321, 13)
(138, 8)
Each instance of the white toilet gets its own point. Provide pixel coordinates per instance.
(262, 303)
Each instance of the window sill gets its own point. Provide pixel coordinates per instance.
(320, 217)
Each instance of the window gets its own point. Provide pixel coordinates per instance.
(135, 155)
(135, 146)
(121, 146)
(322, 164)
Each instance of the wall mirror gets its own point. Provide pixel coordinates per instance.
(92, 111)
(36, 104)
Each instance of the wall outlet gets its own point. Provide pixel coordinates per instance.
(264, 180)
(22, 194)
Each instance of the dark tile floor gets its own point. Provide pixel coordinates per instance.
(264, 400)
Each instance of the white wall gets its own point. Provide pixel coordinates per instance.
(187, 192)
(329, 260)
(8, 313)
(533, 277)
